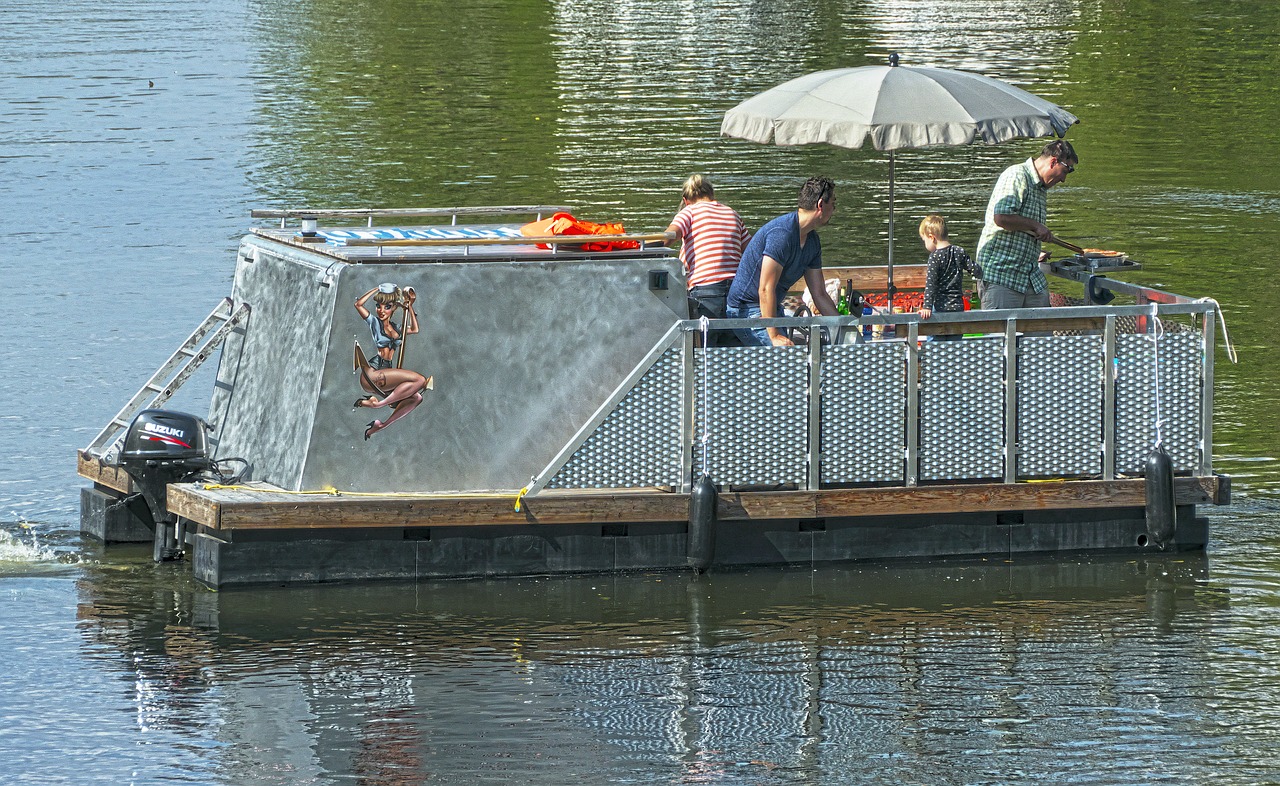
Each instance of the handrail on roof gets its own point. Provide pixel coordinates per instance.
(550, 240)
(403, 212)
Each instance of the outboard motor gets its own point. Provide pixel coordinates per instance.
(163, 447)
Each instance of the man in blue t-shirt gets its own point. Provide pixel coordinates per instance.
(784, 250)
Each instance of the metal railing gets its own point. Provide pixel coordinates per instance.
(370, 213)
(554, 242)
(309, 221)
(1114, 361)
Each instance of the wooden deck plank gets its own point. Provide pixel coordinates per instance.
(200, 508)
(278, 510)
(1054, 495)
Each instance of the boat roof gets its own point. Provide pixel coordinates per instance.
(427, 242)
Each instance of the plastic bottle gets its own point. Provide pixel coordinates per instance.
(866, 329)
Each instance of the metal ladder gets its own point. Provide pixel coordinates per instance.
(175, 371)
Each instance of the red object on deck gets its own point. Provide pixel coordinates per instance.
(566, 224)
(907, 301)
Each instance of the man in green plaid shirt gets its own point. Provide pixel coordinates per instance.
(1009, 248)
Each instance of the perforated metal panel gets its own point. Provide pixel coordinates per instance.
(863, 412)
(962, 409)
(638, 444)
(758, 416)
(1180, 390)
(1060, 406)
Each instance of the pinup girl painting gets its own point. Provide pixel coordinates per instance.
(383, 378)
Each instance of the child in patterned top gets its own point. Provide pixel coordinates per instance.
(944, 281)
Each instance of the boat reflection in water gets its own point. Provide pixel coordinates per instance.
(749, 672)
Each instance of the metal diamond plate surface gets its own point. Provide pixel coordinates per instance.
(757, 415)
(1180, 389)
(638, 444)
(962, 409)
(863, 412)
(1060, 406)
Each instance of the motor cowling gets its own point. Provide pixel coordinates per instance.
(163, 447)
(172, 442)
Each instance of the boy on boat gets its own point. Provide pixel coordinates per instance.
(944, 278)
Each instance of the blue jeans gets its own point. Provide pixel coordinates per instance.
(750, 337)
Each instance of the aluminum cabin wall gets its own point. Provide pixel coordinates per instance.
(269, 373)
(521, 353)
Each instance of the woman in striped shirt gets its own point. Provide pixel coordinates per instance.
(712, 239)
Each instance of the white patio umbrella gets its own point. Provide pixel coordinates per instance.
(896, 107)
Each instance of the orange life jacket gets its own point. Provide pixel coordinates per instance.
(566, 224)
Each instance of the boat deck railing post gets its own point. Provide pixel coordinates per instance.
(688, 424)
(911, 455)
(1109, 399)
(815, 406)
(1011, 400)
(1206, 394)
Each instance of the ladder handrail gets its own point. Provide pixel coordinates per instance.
(194, 358)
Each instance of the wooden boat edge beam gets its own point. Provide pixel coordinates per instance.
(282, 511)
(105, 475)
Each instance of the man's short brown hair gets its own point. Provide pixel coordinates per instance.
(815, 190)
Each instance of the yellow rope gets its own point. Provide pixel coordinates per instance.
(224, 487)
(520, 496)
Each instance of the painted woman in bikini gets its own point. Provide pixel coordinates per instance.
(389, 386)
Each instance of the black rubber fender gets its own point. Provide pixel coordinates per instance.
(702, 524)
(1161, 506)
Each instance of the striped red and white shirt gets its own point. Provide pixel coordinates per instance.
(712, 240)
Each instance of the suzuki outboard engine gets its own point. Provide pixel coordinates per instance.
(163, 447)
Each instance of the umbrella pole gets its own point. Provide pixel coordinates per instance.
(891, 177)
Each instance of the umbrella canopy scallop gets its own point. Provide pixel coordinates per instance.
(896, 107)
